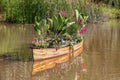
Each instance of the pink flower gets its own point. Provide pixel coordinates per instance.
(33, 41)
(83, 29)
(81, 32)
(63, 13)
(79, 21)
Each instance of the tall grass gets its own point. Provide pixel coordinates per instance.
(24, 11)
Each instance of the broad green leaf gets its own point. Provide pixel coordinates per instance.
(60, 20)
(66, 20)
(37, 30)
(68, 25)
(51, 21)
(77, 14)
(86, 17)
(55, 24)
(36, 21)
(81, 17)
(71, 23)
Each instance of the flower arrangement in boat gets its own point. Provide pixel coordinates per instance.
(60, 31)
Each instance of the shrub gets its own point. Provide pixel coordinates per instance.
(25, 10)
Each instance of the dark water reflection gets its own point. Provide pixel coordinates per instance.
(101, 55)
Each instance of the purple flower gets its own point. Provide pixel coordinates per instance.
(79, 21)
(62, 13)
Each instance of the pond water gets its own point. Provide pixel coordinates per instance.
(100, 59)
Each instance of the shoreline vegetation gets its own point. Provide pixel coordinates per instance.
(24, 11)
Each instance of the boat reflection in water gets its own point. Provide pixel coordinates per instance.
(44, 64)
(48, 70)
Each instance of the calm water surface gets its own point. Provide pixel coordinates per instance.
(100, 59)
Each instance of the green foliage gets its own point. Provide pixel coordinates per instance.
(59, 25)
(24, 11)
(114, 3)
(110, 12)
(40, 27)
(60, 30)
(81, 16)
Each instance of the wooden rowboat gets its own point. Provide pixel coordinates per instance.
(48, 58)
(45, 53)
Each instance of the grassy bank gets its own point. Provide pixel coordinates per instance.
(110, 12)
(109, 8)
(24, 11)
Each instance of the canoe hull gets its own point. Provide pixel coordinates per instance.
(41, 64)
(39, 54)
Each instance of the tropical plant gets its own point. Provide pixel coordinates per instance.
(60, 31)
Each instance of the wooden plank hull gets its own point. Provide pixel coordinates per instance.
(49, 61)
(39, 54)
